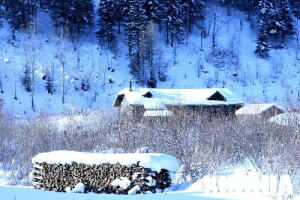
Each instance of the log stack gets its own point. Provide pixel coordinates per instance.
(98, 178)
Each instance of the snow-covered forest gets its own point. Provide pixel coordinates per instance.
(57, 56)
(63, 62)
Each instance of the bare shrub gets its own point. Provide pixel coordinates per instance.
(271, 148)
(203, 145)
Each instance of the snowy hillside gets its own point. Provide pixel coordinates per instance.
(234, 65)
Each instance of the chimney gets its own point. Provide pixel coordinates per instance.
(130, 86)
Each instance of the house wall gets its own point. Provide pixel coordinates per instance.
(128, 111)
(206, 110)
(124, 108)
(136, 112)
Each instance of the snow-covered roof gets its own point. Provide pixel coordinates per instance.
(154, 104)
(142, 96)
(255, 109)
(286, 119)
(158, 113)
(154, 161)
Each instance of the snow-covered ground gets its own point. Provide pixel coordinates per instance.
(4, 177)
(21, 193)
(237, 183)
(275, 79)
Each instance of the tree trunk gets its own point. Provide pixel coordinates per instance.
(296, 184)
(167, 34)
(278, 183)
(119, 27)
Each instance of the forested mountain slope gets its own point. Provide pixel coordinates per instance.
(51, 64)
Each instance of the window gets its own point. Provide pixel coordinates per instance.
(217, 97)
(148, 95)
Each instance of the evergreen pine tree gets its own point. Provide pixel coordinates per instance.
(131, 26)
(193, 11)
(106, 23)
(278, 19)
(173, 19)
(72, 14)
(149, 51)
(60, 12)
(49, 83)
(85, 84)
(20, 13)
(286, 21)
(81, 14)
(249, 6)
(27, 80)
(295, 7)
(124, 8)
(153, 10)
(1, 13)
(246, 5)
(136, 27)
(262, 47)
(273, 25)
(120, 11)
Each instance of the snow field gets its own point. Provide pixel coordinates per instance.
(243, 181)
(20, 193)
(4, 177)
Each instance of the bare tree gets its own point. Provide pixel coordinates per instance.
(214, 31)
(1, 58)
(33, 61)
(63, 63)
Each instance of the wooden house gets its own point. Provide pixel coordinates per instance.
(286, 119)
(146, 102)
(258, 111)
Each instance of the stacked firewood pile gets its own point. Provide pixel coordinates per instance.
(99, 178)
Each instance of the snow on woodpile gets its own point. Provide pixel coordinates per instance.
(141, 96)
(286, 119)
(254, 109)
(154, 161)
(137, 173)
